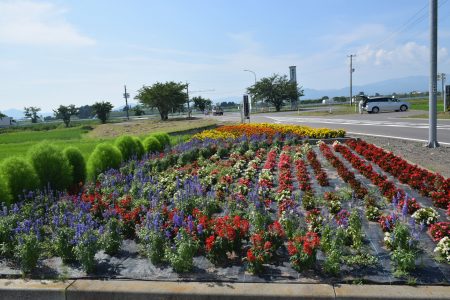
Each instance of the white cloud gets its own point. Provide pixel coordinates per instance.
(37, 23)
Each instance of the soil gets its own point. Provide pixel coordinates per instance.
(436, 160)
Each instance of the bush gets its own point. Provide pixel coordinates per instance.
(127, 146)
(104, 157)
(78, 164)
(51, 166)
(140, 151)
(163, 138)
(151, 144)
(5, 194)
(18, 175)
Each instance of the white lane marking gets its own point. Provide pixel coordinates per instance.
(357, 122)
(395, 137)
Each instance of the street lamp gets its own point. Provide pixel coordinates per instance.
(254, 74)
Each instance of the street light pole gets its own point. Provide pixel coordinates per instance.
(351, 77)
(432, 119)
(254, 74)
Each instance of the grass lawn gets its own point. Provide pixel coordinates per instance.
(17, 143)
(422, 104)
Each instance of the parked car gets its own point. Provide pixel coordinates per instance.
(377, 104)
(217, 111)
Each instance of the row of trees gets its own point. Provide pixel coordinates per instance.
(172, 97)
(65, 113)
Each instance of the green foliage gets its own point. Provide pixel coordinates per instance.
(27, 251)
(7, 243)
(181, 259)
(138, 110)
(51, 166)
(140, 150)
(31, 112)
(201, 103)
(65, 112)
(275, 90)
(363, 259)
(153, 244)
(5, 194)
(102, 110)
(164, 96)
(104, 157)
(63, 243)
(354, 230)
(19, 176)
(111, 238)
(78, 164)
(128, 147)
(151, 144)
(85, 250)
(163, 138)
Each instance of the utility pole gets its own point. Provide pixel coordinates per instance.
(351, 77)
(188, 106)
(432, 130)
(443, 78)
(126, 95)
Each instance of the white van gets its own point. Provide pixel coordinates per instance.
(377, 104)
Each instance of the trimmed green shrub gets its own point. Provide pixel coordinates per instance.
(19, 176)
(5, 194)
(104, 157)
(51, 165)
(163, 138)
(127, 146)
(140, 150)
(151, 144)
(78, 164)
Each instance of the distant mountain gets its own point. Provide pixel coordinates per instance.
(398, 85)
(14, 113)
(18, 114)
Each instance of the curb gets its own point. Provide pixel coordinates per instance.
(132, 289)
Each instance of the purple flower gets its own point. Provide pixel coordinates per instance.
(405, 208)
(200, 228)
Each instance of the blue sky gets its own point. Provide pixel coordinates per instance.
(64, 52)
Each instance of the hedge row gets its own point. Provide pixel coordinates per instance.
(46, 166)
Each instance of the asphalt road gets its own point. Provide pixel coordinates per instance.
(391, 124)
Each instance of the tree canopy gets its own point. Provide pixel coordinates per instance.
(2, 115)
(65, 112)
(102, 109)
(164, 96)
(31, 112)
(275, 90)
(201, 103)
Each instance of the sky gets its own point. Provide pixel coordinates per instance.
(61, 52)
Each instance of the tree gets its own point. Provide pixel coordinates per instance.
(65, 112)
(164, 96)
(138, 110)
(31, 112)
(85, 112)
(201, 103)
(102, 110)
(2, 115)
(275, 90)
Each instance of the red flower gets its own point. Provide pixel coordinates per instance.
(250, 256)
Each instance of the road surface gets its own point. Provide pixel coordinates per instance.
(383, 124)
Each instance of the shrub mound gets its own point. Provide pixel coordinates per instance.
(78, 164)
(104, 157)
(140, 150)
(51, 165)
(18, 176)
(163, 139)
(151, 144)
(5, 194)
(127, 146)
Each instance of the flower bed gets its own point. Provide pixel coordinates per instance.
(211, 206)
